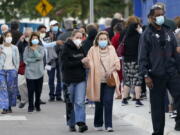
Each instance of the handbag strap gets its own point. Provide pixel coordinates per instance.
(103, 65)
(123, 40)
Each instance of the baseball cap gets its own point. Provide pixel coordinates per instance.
(53, 22)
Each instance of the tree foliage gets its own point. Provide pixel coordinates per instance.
(16, 9)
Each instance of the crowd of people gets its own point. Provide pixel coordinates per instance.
(90, 66)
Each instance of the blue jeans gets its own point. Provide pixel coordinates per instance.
(106, 104)
(51, 75)
(77, 93)
(8, 88)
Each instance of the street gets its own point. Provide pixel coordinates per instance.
(51, 121)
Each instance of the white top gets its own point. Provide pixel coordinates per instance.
(9, 60)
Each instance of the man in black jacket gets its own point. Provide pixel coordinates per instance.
(159, 63)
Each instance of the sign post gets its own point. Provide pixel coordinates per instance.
(44, 7)
(91, 3)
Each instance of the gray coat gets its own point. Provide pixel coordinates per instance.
(34, 62)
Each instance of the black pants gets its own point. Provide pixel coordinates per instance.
(143, 86)
(34, 87)
(105, 107)
(157, 96)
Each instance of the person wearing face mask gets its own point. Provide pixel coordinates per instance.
(46, 41)
(4, 28)
(9, 64)
(22, 44)
(103, 63)
(53, 62)
(33, 58)
(132, 77)
(74, 76)
(159, 64)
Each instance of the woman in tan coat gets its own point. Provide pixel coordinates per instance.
(102, 62)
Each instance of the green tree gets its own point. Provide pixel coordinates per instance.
(17, 9)
(9, 9)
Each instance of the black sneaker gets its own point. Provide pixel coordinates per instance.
(72, 129)
(138, 103)
(5, 111)
(58, 98)
(51, 99)
(83, 128)
(38, 109)
(124, 102)
(21, 105)
(30, 110)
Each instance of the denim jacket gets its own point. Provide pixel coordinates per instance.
(15, 56)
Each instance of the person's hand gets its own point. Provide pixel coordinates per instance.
(149, 82)
(178, 49)
(108, 74)
(59, 42)
(22, 38)
(85, 60)
(34, 47)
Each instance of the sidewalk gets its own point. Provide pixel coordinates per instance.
(141, 117)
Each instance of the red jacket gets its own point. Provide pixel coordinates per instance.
(115, 40)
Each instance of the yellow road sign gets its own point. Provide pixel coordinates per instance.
(44, 7)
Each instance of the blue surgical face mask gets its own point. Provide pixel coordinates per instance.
(160, 20)
(102, 43)
(35, 41)
(55, 28)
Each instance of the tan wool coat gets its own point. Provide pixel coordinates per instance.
(94, 75)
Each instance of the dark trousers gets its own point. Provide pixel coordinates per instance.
(106, 105)
(54, 92)
(143, 86)
(157, 96)
(34, 87)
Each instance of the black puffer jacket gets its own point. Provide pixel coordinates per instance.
(72, 67)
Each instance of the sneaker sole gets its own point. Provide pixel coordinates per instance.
(139, 105)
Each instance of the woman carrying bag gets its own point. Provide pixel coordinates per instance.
(103, 79)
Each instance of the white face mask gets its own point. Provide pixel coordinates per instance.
(27, 39)
(42, 35)
(140, 30)
(8, 39)
(77, 42)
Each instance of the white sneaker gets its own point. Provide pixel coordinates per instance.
(109, 129)
(98, 128)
